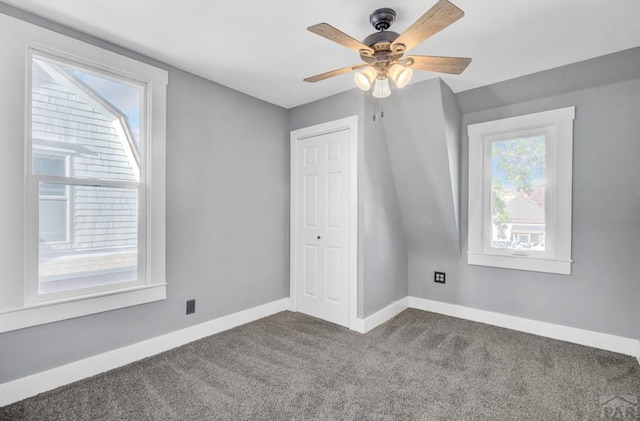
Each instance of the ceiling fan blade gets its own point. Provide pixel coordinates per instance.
(329, 32)
(453, 65)
(337, 72)
(441, 15)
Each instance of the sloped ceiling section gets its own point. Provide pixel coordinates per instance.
(422, 126)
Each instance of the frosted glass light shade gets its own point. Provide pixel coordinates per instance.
(381, 88)
(400, 74)
(365, 77)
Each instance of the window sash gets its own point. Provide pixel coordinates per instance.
(550, 177)
(33, 284)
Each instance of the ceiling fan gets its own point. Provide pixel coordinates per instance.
(383, 51)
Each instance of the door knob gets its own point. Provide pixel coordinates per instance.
(318, 237)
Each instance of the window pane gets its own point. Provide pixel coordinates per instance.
(104, 245)
(49, 164)
(93, 118)
(53, 219)
(518, 193)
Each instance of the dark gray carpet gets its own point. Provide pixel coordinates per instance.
(417, 366)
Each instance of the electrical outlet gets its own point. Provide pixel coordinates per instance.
(191, 306)
(439, 277)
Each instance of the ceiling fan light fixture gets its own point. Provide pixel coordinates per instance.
(366, 77)
(383, 52)
(381, 88)
(401, 75)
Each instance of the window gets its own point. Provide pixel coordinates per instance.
(95, 118)
(94, 175)
(520, 192)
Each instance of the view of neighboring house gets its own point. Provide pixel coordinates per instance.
(525, 227)
(527, 222)
(86, 231)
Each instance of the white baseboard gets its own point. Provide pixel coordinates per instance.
(376, 319)
(599, 340)
(638, 352)
(25, 387)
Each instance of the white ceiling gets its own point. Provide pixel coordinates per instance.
(262, 48)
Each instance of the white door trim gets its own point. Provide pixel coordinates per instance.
(350, 123)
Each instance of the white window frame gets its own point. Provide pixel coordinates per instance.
(16, 310)
(557, 126)
(33, 294)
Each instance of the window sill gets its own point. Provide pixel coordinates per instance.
(66, 309)
(562, 267)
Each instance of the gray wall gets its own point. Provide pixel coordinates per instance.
(603, 292)
(384, 260)
(227, 224)
(599, 71)
(335, 107)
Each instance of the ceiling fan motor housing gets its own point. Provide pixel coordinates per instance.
(382, 19)
(380, 42)
(386, 37)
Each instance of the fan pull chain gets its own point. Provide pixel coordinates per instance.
(376, 103)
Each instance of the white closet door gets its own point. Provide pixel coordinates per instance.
(322, 231)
